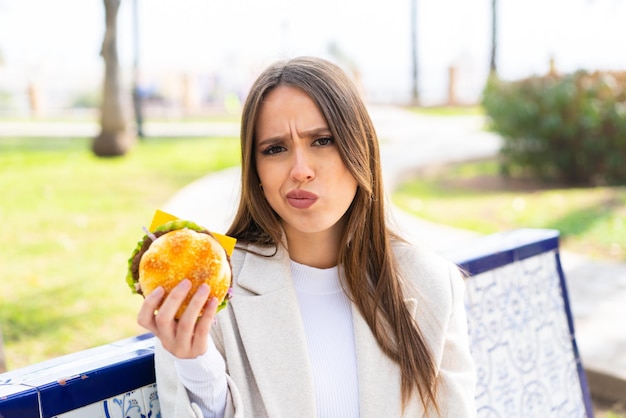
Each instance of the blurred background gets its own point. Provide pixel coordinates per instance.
(198, 53)
(551, 138)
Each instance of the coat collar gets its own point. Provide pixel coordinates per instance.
(262, 270)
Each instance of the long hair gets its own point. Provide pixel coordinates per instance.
(371, 277)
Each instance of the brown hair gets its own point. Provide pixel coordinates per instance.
(379, 298)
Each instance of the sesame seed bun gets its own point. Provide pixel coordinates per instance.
(181, 250)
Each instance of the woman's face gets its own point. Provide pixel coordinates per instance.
(302, 174)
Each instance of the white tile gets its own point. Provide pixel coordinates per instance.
(7, 388)
(90, 411)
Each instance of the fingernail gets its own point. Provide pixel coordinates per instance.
(204, 288)
(185, 284)
(212, 303)
(158, 291)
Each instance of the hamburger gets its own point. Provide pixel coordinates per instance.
(179, 250)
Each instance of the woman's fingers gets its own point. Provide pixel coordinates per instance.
(193, 330)
(188, 336)
(187, 322)
(173, 301)
(203, 325)
(145, 317)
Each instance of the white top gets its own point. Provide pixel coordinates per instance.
(327, 318)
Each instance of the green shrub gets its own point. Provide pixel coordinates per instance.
(569, 128)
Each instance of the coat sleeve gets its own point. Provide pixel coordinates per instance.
(173, 397)
(456, 370)
(234, 402)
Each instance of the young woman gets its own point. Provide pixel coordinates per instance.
(333, 315)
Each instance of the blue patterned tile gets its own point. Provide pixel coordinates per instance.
(151, 401)
(521, 342)
(126, 405)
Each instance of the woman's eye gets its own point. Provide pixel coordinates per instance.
(327, 140)
(273, 149)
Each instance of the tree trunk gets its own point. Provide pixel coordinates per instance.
(415, 95)
(114, 139)
(493, 70)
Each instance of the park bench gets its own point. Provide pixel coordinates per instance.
(520, 326)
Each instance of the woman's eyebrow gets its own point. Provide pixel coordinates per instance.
(323, 130)
(270, 140)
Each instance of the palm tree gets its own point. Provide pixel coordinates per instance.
(114, 139)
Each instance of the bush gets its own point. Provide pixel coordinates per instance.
(569, 128)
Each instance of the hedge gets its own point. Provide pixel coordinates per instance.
(569, 128)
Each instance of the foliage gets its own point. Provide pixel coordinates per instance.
(70, 222)
(569, 128)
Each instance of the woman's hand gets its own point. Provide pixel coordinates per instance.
(187, 337)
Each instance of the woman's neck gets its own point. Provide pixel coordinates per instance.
(319, 250)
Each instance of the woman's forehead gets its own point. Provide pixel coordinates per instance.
(288, 110)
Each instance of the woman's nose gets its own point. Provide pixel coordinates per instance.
(302, 169)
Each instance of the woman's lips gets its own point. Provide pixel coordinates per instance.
(301, 199)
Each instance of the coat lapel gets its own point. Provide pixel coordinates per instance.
(379, 381)
(379, 377)
(274, 337)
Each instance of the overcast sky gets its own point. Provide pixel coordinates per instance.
(60, 40)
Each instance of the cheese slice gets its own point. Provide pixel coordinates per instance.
(160, 217)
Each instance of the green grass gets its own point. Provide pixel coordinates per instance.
(591, 221)
(70, 222)
(604, 409)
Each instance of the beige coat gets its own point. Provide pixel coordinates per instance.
(261, 337)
